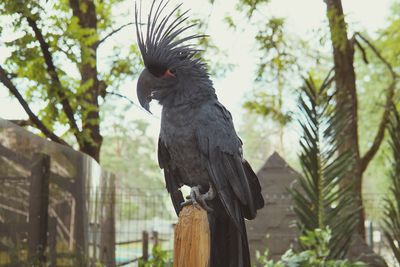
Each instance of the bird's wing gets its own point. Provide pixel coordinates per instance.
(221, 149)
(171, 175)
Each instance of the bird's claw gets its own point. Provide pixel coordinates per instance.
(198, 199)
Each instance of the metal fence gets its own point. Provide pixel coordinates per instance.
(144, 218)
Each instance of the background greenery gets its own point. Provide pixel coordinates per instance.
(64, 65)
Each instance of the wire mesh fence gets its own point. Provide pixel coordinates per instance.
(144, 219)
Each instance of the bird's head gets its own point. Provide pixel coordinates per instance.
(170, 62)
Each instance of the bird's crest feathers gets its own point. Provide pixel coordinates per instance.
(162, 47)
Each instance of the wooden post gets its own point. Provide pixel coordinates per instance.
(107, 242)
(38, 208)
(145, 246)
(192, 238)
(81, 222)
(155, 238)
(53, 241)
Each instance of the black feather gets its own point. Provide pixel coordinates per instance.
(162, 48)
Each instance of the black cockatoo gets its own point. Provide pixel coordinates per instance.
(198, 145)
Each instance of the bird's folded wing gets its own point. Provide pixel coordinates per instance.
(220, 147)
(171, 175)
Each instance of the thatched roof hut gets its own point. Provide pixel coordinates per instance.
(274, 226)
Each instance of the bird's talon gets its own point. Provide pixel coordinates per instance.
(197, 206)
(199, 200)
(206, 207)
(186, 203)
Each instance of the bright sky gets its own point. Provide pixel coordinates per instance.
(302, 17)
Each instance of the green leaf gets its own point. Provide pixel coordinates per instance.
(321, 201)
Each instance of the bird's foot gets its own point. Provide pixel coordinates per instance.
(198, 199)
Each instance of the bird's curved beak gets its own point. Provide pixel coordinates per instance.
(143, 89)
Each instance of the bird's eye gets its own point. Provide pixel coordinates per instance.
(169, 73)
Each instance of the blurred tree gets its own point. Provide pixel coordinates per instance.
(256, 136)
(53, 65)
(389, 37)
(282, 57)
(343, 49)
(128, 151)
(277, 62)
(371, 97)
(347, 98)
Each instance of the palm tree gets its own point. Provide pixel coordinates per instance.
(322, 200)
(391, 221)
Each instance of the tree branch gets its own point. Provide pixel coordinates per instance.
(124, 97)
(378, 54)
(112, 33)
(129, 100)
(32, 117)
(363, 53)
(385, 116)
(51, 70)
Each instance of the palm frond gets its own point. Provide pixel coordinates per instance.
(391, 222)
(321, 200)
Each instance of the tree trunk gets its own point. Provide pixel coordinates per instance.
(345, 79)
(90, 140)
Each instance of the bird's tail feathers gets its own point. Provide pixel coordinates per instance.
(229, 247)
(255, 188)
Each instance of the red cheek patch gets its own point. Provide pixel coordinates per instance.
(168, 74)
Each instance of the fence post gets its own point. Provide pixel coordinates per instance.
(370, 235)
(38, 208)
(145, 246)
(53, 241)
(155, 238)
(81, 224)
(107, 252)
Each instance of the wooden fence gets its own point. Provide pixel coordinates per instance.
(44, 227)
(59, 208)
(46, 201)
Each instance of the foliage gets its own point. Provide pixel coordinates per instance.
(389, 38)
(277, 71)
(159, 258)
(372, 80)
(55, 68)
(251, 5)
(321, 200)
(277, 61)
(316, 244)
(371, 98)
(129, 152)
(391, 220)
(268, 105)
(256, 135)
